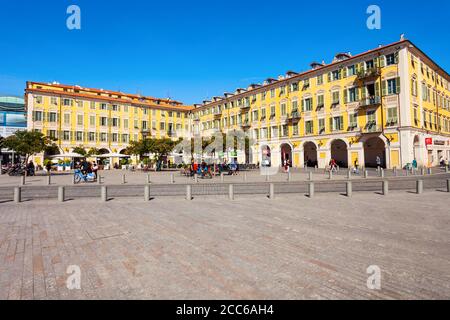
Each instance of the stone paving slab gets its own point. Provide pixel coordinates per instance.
(210, 248)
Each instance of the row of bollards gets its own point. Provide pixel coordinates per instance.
(311, 185)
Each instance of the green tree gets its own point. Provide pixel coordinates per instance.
(27, 143)
(93, 152)
(161, 147)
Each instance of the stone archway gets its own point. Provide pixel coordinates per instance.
(266, 156)
(339, 153)
(310, 154)
(286, 154)
(374, 148)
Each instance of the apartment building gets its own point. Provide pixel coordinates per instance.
(390, 104)
(101, 119)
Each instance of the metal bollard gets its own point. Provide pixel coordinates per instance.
(448, 185)
(61, 194)
(49, 179)
(382, 173)
(104, 193)
(147, 193)
(447, 169)
(310, 176)
(349, 174)
(1, 166)
(385, 187)
(231, 192)
(17, 194)
(419, 187)
(172, 178)
(366, 174)
(148, 178)
(23, 180)
(189, 192)
(222, 177)
(271, 191)
(124, 179)
(311, 190)
(349, 189)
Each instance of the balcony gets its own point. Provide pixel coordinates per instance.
(245, 106)
(295, 116)
(368, 74)
(246, 124)
(372, 127)
(370, 102)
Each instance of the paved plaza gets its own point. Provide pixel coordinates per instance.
(291, 247)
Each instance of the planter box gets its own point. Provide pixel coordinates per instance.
(60, 168)
(67, 169)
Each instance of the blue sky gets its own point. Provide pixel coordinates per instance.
(192, 50)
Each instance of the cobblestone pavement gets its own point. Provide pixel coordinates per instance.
(252, 248)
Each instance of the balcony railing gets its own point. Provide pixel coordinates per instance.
(245, 105)
(372, 127)
(369, 73)
(370, 101)
(295, 115)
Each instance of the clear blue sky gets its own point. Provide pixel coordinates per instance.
(190, 50)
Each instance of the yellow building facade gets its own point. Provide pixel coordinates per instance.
(101, 119)
(387, 106)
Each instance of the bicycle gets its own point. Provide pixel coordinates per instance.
(79, 177)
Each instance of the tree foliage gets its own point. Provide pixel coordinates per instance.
(80, 150)
(27, 143)
(157, 147)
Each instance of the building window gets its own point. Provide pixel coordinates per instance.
(92, 105)
(67, 102)
(103, 106)
(52, 116)
(91, 136)
(320, 101)
(352, 121)
(92, 121)
(54, 101)
(66, 135)
(393, 86)
(80, 104)
(162, 126)
(37, 116)
(337, 123)
(51, 134)
(125, 138)
(115, 122)
(351, 71)
(67, 118)
(115, 137)
(103, 137)
(283, 109)
(103, 121)
(320, 80)
(38, 99)
(321, 126)
(335, 97)
(79, 136)
(353, 95)
(115, 107)
(392, 118)
(294, 86)
(295, 129)
(391, 59)
(307, 104)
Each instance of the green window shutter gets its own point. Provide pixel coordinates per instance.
(396, 57)
(397, 82)
(340, 74)
(382, 61)
(376, 62)
(341, 123)
(33, 116)
(329, 76)
(344, 73)
(331, 124)
(384, 88)
(357, 94)
(312, 102)
(303, 105)
(361, 66)
(345, 96)
(357, 68)
(377, 89)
